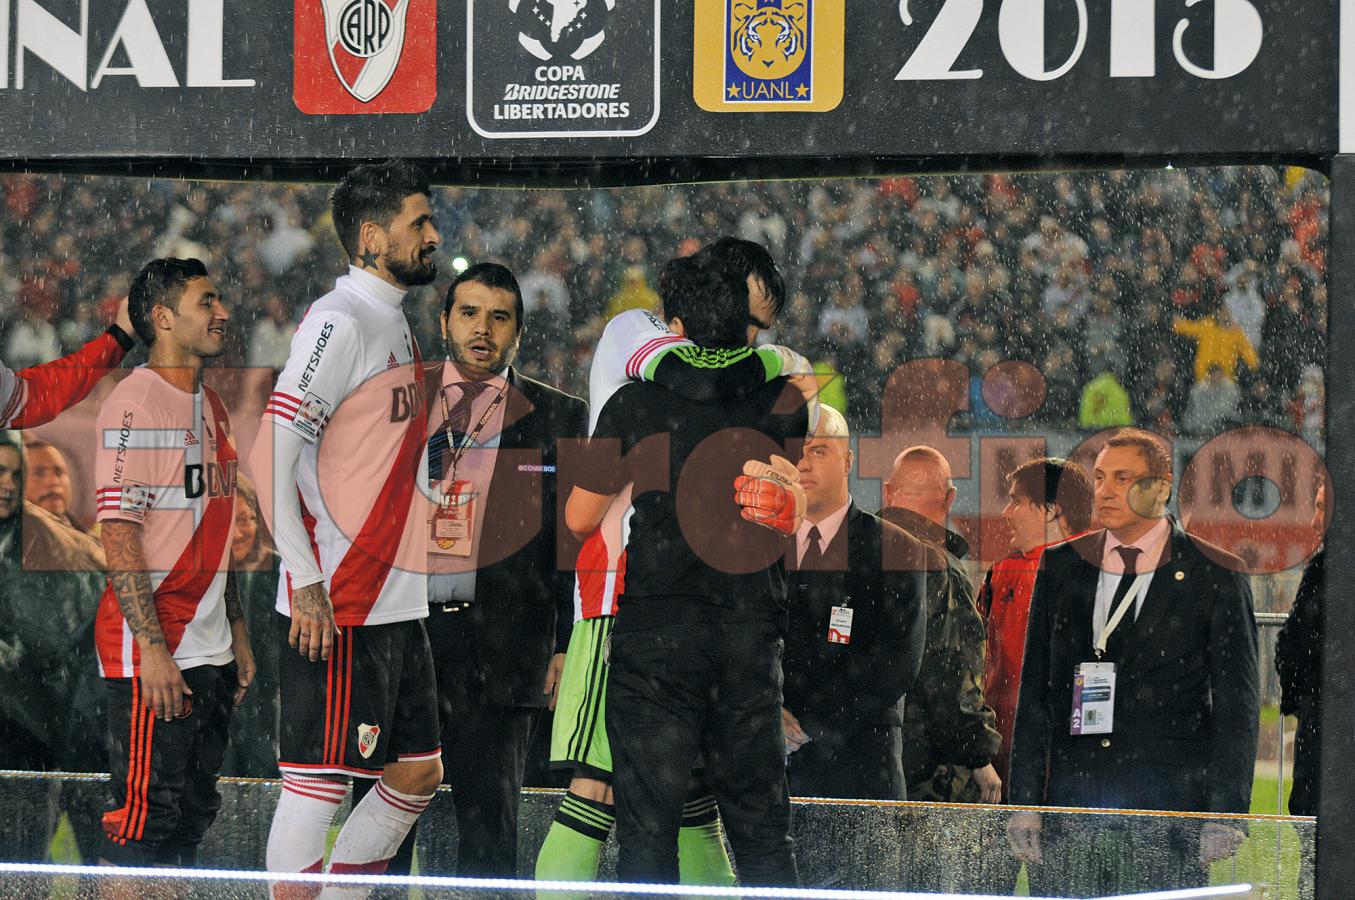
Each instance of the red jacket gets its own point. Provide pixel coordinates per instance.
(38, 394)
(1005, 605)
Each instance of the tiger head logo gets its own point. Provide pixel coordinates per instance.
(768, 37)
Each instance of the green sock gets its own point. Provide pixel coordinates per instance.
(575, 841)
(702, 858)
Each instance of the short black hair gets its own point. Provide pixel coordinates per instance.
(744, 258)
(1054, 482)
(698, 290)
(374, 192)
(160, 282)
(491, 275)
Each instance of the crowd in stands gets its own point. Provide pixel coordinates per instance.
(1181, 300)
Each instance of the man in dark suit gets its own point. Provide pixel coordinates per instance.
(856, 633)
(1170, 617)
(501, 607)
(1298, 660)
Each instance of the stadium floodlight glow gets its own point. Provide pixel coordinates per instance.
(588, 887)
(460, 264)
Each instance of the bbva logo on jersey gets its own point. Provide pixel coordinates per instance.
(768, 55)
(365, 56)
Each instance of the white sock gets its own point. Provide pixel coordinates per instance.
(372, 834)
(296, 842)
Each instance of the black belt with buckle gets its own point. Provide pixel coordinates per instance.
(451, 606)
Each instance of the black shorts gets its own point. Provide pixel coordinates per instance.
(373, 702)
(163, 774)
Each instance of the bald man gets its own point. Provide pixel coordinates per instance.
(856, 633)
(949, 732)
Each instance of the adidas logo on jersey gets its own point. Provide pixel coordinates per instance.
(391, 363)
(189, 439)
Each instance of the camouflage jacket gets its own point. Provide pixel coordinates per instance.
(948, 729)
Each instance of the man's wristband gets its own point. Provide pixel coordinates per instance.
(125, 340)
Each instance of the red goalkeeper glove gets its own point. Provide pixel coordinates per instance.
(770, 494)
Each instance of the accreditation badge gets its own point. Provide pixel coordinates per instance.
(840, 625)
(1093, 698)
(451, 522)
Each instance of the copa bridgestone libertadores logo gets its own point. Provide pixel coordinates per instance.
(562, 68)
(365, 56)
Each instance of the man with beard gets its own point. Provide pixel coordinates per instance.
(361, 700)
(48, 480)
(500, 606)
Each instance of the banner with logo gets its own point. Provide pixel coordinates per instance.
(581, 80)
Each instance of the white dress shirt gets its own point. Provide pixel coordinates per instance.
(1150, 546)
(827, 531)
(452, 578)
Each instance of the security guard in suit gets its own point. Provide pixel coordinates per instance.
(856, 633)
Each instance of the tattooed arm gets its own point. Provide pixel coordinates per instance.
(162, 684)
(245, 667)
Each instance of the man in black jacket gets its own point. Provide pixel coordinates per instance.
(1298, 659)
(1158, 626)
(500, 603)
(696, 649)
(856, 634)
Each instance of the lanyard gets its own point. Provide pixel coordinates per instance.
(458, 450)
(1134, 590)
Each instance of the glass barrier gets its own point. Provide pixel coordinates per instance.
(35, 880)
(891, 847)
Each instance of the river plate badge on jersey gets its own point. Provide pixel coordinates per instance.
(768, 55)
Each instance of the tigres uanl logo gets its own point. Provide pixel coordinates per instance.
(767, 38)
(768, 55)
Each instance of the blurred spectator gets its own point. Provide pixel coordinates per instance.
(832, 386)
(1213, 404)
(1219, 342)
(252, 750)
(82, 327)
(1309, 407)
(1283, 338)
(1067, 292)
(51, 578)
(1243, 300)
(845, 319)
(285, 243)
(543, 288)
(47, 481)
(1104, 404)
(32, 340)
(635, 293)
(271, 339)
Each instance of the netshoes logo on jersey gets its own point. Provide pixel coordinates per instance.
(365, 56)
(768, 55)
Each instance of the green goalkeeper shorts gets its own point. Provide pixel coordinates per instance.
(578, 739)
